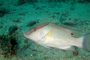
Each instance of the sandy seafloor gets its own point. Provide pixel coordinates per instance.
(78, 13)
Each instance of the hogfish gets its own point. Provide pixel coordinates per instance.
(56, 36)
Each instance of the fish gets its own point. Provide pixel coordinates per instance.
(53, 35)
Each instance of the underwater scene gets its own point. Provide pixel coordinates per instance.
(44, 29)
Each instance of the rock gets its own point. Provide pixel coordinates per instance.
(69, 22)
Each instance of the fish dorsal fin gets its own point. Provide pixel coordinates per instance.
(76, 33)
(49, 34)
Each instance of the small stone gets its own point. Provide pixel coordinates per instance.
(32, 23)
(69, 22)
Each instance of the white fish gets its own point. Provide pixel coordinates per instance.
(56, 36)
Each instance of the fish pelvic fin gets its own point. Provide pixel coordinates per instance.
(86, 42)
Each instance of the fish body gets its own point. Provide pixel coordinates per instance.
(56, 36)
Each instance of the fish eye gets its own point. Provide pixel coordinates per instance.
(71, 33)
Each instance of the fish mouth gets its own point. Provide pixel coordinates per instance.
(28, 33)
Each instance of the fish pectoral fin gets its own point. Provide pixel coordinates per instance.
(76, 33)
(49, 34)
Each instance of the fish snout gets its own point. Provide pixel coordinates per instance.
(28, 33)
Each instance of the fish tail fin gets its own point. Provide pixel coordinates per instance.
(86, 42)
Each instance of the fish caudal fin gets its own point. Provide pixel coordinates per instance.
(86, 43)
